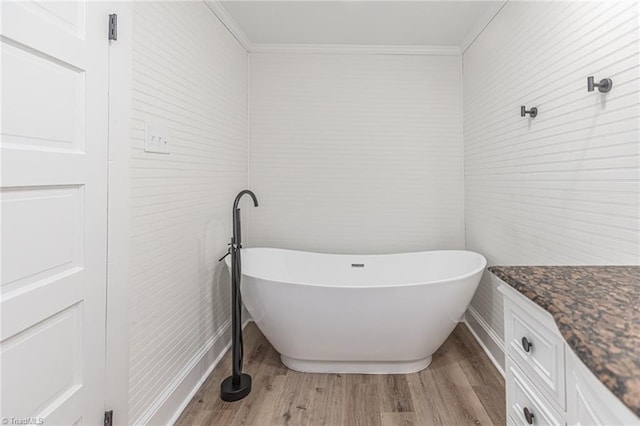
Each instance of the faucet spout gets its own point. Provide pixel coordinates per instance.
(239, 196)
(237, 233)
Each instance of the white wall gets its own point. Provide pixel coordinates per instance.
(356, 152)
(363, 153)
(190, 75)
(562, 188)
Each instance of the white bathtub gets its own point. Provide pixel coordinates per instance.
(325, 313)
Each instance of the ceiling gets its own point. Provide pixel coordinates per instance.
(374, 22)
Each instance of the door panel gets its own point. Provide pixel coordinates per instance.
(45, 236)
(51, 91)
(53, 202)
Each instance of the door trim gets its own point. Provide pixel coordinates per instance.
(119, 208)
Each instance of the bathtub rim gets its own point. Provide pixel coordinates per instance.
(413, 284)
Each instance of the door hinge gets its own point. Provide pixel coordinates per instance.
(108, 418)
(113, 26)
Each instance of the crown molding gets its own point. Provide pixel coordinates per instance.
(355, 49)
(480, 25)
(218, 9)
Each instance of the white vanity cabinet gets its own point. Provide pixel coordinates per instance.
(546, 383)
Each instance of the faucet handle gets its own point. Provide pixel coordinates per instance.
(229, 248)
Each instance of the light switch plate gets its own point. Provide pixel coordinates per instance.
(156, 139)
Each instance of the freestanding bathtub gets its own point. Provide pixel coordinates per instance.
(375, 314)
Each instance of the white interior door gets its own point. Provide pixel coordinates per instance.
(54, 209)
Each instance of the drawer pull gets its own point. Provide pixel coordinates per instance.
(526, 344)
(528, 415)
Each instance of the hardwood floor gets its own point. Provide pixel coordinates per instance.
(460, 387)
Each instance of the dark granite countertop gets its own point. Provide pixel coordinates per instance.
(597, 310)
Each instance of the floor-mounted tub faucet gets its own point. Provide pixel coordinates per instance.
(238, 385)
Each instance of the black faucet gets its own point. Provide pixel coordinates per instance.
(238, 385)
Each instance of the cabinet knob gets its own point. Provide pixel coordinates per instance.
(528, 415)
(526, 344)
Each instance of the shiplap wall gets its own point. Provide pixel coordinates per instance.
(356, 152)
(190, 75)
(562, 188)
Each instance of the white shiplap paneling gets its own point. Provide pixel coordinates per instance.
(356, 153)
(562, 188)
(189, 75)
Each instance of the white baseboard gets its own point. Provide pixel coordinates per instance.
(172, 402)
(488, 339)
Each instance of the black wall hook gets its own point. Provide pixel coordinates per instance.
(604, 86)
(533, 112)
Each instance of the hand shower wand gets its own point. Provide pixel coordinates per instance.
(238, 385)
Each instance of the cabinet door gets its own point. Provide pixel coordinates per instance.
(589, 402)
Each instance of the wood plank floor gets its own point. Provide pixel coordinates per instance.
(460, 387)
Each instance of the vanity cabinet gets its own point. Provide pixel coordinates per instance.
(546, 383)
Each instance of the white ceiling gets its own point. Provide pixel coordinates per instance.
(374, 22)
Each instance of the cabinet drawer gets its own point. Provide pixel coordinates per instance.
(524, 400)
(535, 345)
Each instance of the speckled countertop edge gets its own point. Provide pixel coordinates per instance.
(597, 310)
